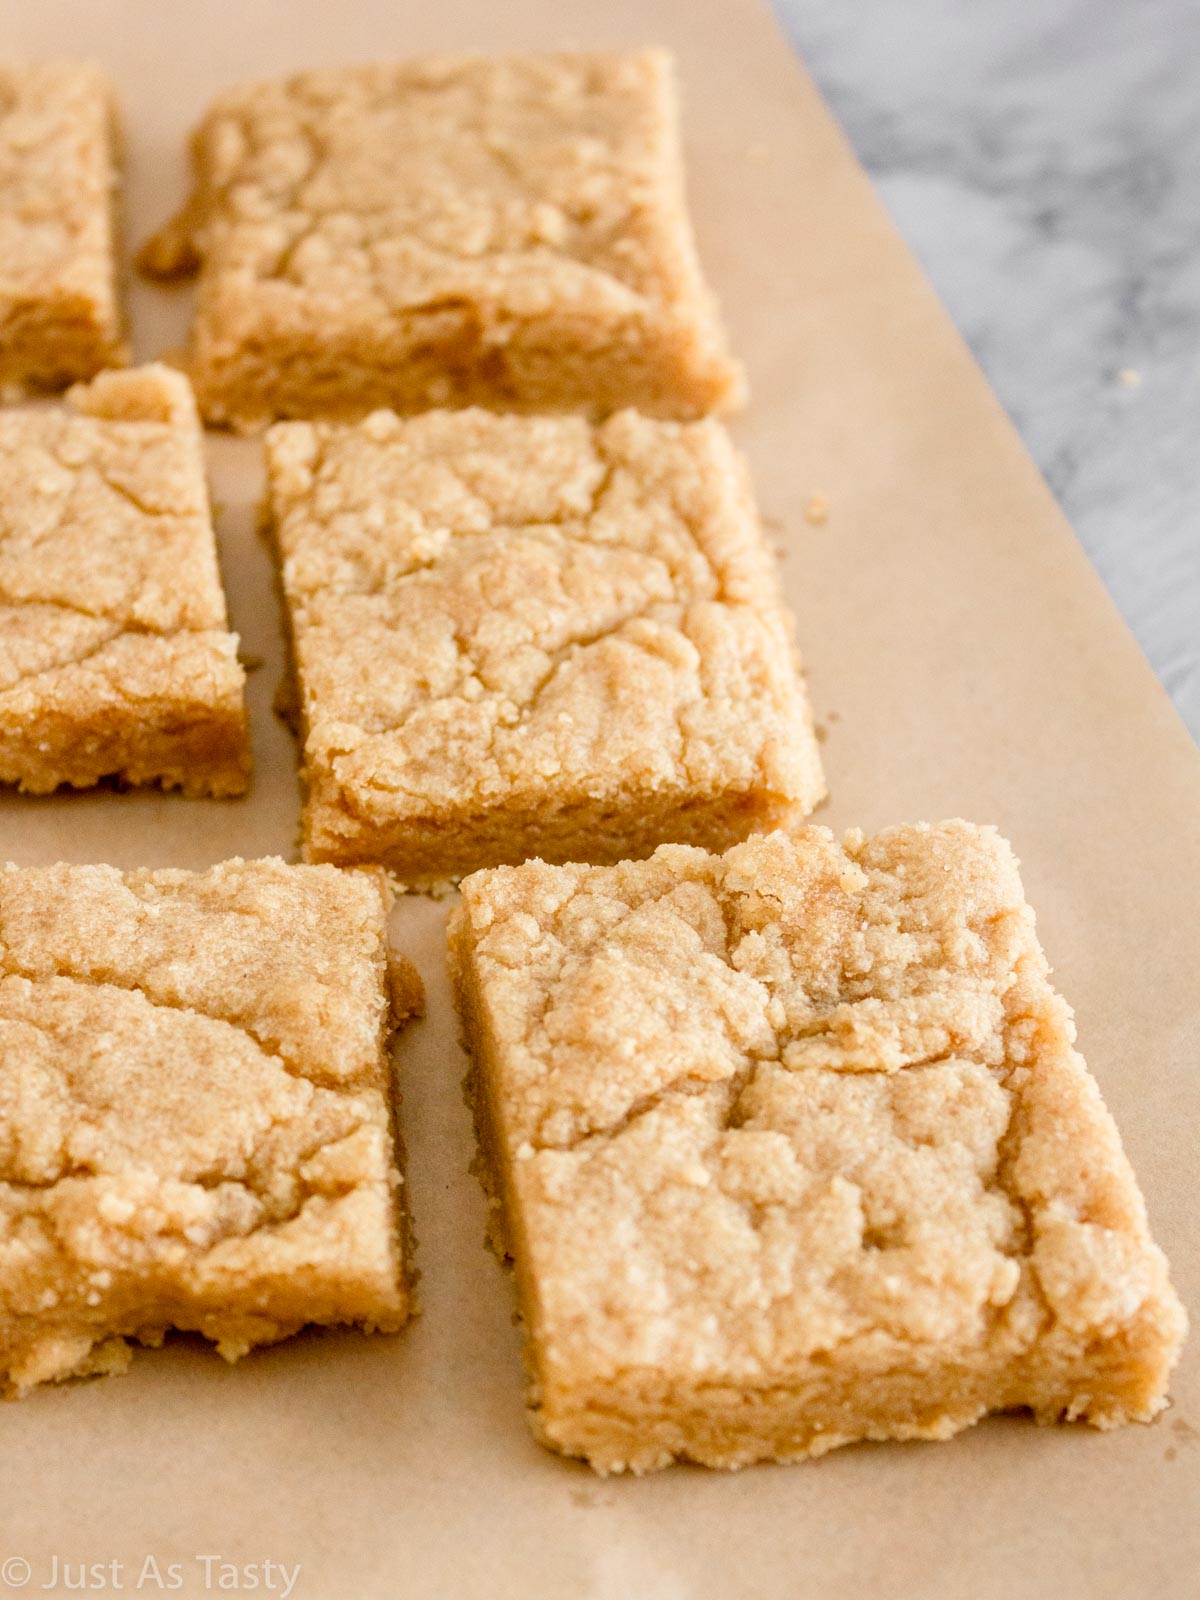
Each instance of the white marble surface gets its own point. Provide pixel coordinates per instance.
(1043, 162)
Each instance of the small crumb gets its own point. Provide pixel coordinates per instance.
(816, 511)
(1129, 378)
(250, 661)
(589, 1497)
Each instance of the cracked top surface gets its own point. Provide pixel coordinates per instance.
(104, 523)
(521, 183)
(188, 1061)
(56, 178)
(290, 957)
(800, 1101)
(488, 607)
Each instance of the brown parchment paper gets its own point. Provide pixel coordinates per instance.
(964, 660)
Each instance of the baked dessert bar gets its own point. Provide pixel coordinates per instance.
(795, 1149)
(521, 636)
(115, 654)
(509, 232)
(59, 314)
(195, 1110)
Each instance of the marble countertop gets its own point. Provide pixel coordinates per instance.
(1043, 163)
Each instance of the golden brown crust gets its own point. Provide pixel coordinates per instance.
(195, 1111)
(796, 1150)
(59, 316)
(519, 636)
(115, 654)
(508, 232)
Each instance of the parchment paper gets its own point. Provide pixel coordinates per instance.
(964, 660)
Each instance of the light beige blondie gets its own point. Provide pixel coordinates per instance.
(59, 314)
(795, 1149)
(115, 655)
(195, 1110)
(520, 636)
(508, 232)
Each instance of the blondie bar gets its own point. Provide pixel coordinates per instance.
(115, 654)
(508, 232)
(794, 1149)
(521, 636)
(195, 1110)
(59, 315)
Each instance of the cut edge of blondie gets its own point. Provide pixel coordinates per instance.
(629, 827)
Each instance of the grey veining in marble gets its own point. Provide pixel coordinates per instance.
(1042, 158)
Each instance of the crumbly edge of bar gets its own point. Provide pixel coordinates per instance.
(433, 857)
(70, 1353)
(201, 748)
(287, 702)
(406, 1003)
(349, 374)
(54, 344)
(487, 1165)
(643, 1424)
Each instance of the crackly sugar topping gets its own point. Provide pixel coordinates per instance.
(523, 180)
(104, 526)
(798, 1102)
(689, 971)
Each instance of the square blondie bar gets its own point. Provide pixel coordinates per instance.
(115, 654)
(509, 232)
(794, 1149)
(520, 636)
(59, 315)
(195, 1110)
